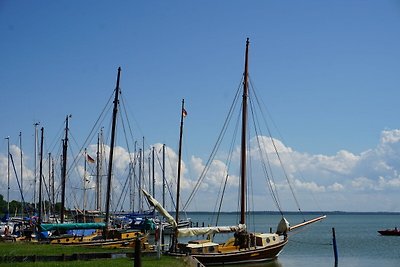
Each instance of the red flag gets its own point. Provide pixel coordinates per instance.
(90, 159)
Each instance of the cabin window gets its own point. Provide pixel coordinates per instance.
(267, 239)
(211, 249)
(273, 238)
(259, 241)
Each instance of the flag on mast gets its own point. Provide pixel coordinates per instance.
(90, 159)
(184, 112)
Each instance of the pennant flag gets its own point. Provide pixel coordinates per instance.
(90, 159)
(184, 112)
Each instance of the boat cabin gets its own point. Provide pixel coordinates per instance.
(198, 247)
(266, 239)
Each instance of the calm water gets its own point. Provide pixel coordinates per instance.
(358, 242)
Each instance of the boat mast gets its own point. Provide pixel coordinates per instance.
(98, 174)
(244, 137)
(84, 185)
(40, 176)
(21, 173)
(35, 162)
(163, 175)
(8, 178)
(140, 202)
(110, 160)
(50, 187)
(64, 169)
(153, 175)
(178, 182)
(99, 168)
(53, 199)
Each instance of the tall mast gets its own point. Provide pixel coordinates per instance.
(149, 160)
(98, 174)
(110, 160)
(49, 192)
(178, 182)
(140, 182)
(99, 169)
(134, 178)
(53, 199)
(244, 137)
(40, 176)
(153, 175)
(35, 159)
(8, 178)
(163, 175)
(163, 187)
(84, 185)
(64, 169)
(21, 168)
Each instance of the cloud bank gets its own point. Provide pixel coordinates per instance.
(368, 181)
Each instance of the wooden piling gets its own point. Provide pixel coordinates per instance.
(138, 253)
(335, 251)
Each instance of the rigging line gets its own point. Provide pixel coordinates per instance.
(280, 160)
(101, 118)
(264, 158)
(229, 161)
(57, 137)
(128, 110)
(131, 160)
(291, 157)
(19, 185)
(106, 108)
(81, 149)
(167, 182)
(214, 150)
(123, 107)
(123, 191)
(250, 186)
(122, 196)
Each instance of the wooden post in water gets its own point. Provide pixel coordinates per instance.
(138, 253)
(335, 252)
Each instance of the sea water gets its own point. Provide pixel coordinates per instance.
(358, 242)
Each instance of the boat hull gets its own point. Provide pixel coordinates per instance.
(390, 232)
(251, 255)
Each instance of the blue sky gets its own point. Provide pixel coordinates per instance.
(327, 70)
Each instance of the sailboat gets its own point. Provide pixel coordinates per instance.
(106, 236)
(244, 246)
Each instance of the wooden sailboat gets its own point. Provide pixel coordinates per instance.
(244, 246)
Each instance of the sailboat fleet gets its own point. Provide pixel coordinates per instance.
(120, 229)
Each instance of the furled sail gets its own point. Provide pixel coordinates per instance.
(160, 209)
(193, 231)
(70, 226)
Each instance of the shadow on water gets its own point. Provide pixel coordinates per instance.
(274, 263)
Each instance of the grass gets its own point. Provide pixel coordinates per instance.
(23, 249)
(165, 261)
(26, 249)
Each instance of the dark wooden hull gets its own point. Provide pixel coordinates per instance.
(258, 254)
(392, 232)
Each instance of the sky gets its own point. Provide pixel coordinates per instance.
(327, 71)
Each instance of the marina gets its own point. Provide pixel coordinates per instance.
(200, 133)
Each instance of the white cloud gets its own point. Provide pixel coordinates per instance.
(345, 176)
(336, 187)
